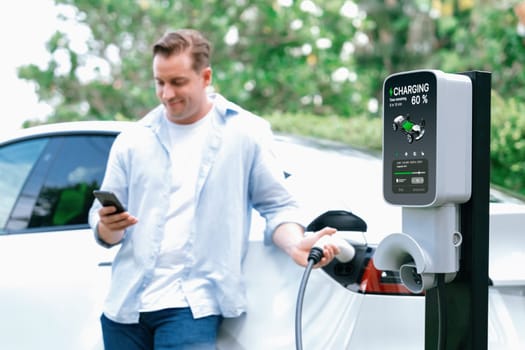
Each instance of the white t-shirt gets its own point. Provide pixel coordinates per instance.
(187, 143)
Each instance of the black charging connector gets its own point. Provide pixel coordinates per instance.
(316, 254)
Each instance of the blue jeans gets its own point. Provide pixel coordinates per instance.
(161, 330)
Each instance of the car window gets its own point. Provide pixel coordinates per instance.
(16, 162)
(58, 193)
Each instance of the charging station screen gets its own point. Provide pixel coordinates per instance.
(410, 176)
(409, 138)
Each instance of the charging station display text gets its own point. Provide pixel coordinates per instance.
(410, 176)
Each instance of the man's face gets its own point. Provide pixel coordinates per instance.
(181, 89)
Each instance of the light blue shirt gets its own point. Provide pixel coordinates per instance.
(238, 173)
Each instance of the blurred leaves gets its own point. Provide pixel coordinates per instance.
(508, 143)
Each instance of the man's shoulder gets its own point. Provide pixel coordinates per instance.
(236, 114)
(138, 131)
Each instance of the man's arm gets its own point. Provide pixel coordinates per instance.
(291, 239)
(111, 226)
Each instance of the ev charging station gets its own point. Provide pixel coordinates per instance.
(426, 170)
(436, 144)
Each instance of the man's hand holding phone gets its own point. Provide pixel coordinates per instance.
(114, 218)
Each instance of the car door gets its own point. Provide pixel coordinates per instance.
(53, 276)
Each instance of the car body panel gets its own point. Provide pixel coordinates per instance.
(333, 317)
(507, 244)
(52, 287)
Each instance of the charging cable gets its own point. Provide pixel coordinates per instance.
(347, 253)
(442, 312)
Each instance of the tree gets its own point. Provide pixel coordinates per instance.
(279, 55)
(295, 56)
(268, 56)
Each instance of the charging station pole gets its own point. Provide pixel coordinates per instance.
(464, 314)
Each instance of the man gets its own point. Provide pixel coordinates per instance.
(189, 174)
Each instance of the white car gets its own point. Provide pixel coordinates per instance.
(54, 276)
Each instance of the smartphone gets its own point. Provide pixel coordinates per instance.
(108, 198)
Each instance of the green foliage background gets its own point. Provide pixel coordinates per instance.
(310, 66)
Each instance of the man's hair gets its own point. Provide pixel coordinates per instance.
(178, 41)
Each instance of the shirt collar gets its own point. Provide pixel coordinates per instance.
(155, 119)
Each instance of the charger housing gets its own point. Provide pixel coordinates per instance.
(427, 138)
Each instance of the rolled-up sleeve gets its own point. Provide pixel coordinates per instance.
(269, 192)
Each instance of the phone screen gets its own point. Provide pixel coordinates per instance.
(108, 198)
